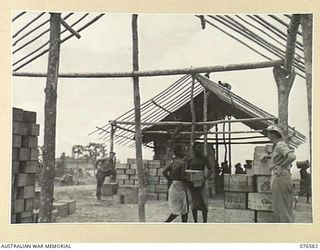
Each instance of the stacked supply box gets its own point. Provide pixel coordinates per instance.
(128, 182)
(261, 200)
(25, 165)
(237, 187)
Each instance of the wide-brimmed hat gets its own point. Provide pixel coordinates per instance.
(275, 128)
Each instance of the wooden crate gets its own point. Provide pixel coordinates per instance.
(130, 171)
(122, 177)
(152, 196)
(17, 115)
(163, 180)
(16, 128)
(154, 164)
(260, 201)
(16, 141)
(195, 176)
(29, 117)
(21, 180)
(133, 177)
(127, 190)
(264, 217)
(18, 206)
(235, 200)
(25, 192)
(131, 199)
(151, 188)
(120, 171)
(15, 154)
(162, 196)
(36, 200)
(263, 184)
(15, 167)
(261, 167)
(34, 129)
(31, 179)
(61, 207)
(161, 188)
(24, 128)
(34, 154)
(238, 182)
(29, 141)
(153, 180)
(24, 154)
(152, 172)
(109, 189)
(239, 216)
(28, 167)
(28, 204)
(25, 217)
(128, 182)
(71, 205)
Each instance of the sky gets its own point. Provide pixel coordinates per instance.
(166, 41)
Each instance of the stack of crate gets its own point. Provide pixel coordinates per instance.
(157, 183)
(24, 165)
(248, 197)
(237, 188)
(261, 200)
(127, 178)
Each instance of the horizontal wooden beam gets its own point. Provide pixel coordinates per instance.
(201, 132)
(166, 72)
(170, 123)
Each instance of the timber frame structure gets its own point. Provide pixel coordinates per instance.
(283, 73)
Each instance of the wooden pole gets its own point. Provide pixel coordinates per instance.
(229, 137)
(285, 76)
(307, 23)
(138, 136)
(47, 180)
(112, 130)
(170, 123)
(193, 116)
(200, 132)
(205, 118)
(165, 72)
(217, 145)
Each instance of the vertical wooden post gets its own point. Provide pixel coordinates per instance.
(112, 130)
(230, 163)
(205, 118)
(47, 178)
(193, 115)
(217, 143)
(285, 76)
(138, 136)
(307, 24)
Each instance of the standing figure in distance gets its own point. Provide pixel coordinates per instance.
(198, 196)
(281, 183)
(105, 167)
(175, 173)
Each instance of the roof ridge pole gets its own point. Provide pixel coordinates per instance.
(285, 76)
(193, 115)
(307, 25)
(47, 175)
(142, 196)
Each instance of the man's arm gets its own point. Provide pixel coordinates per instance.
(210, 169)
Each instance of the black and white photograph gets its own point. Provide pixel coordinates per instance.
(161, 118)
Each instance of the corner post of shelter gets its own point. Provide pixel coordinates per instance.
(193, 114)
(307, 25)
(205, 118)
(50, 113)
(284, 76)
(138, 135)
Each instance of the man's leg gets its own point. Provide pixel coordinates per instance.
(205, 216)
(100, 180)
(195, 215)
(171, 217)
(184, 217)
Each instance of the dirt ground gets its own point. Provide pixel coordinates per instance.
(89, 210)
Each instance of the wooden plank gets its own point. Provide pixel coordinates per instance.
(34, 129)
